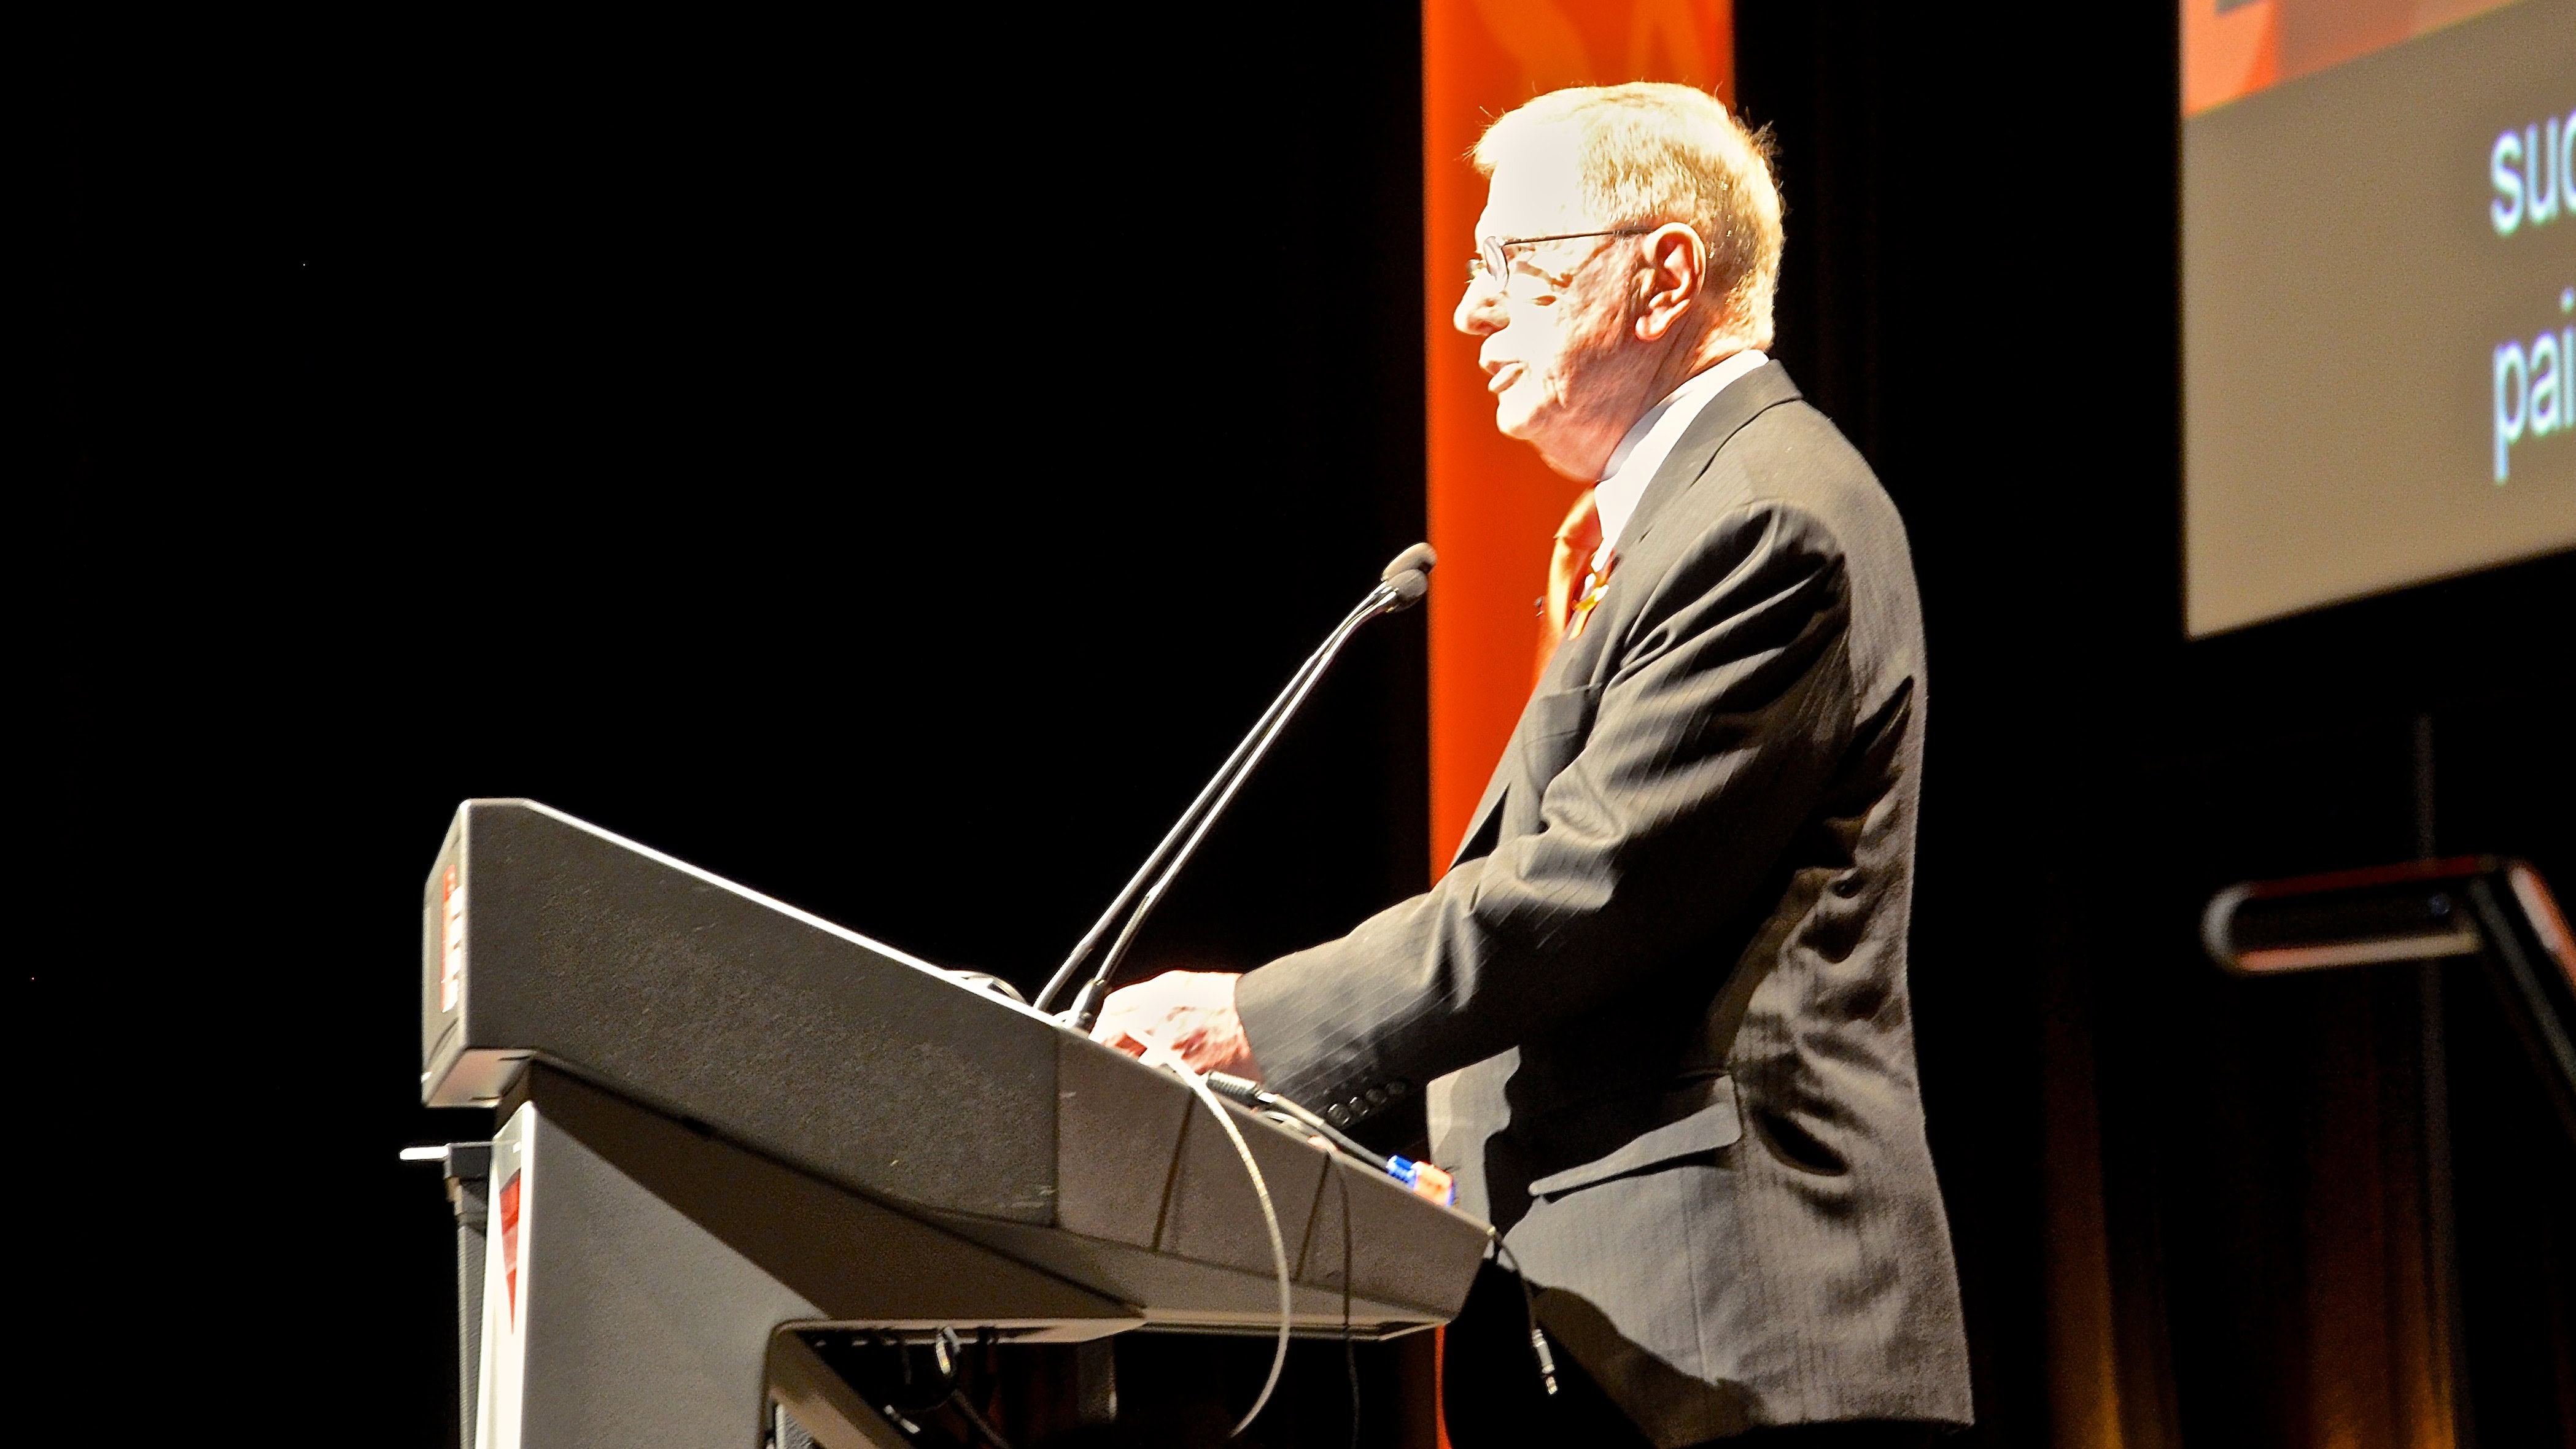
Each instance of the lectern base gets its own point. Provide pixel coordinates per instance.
(640, 1281)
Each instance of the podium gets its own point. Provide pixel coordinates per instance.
(733, 1135)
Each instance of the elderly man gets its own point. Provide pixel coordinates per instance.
(1659, 1001)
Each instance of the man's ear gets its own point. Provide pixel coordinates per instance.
(1676, 270)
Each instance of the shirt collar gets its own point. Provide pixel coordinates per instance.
(1641, 454)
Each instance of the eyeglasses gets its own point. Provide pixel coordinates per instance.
(1495, 260)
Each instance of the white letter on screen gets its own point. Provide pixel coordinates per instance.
(2567, 159)
(2504, 169)
(2540, 177)
(2508, 430)
(2547, 406)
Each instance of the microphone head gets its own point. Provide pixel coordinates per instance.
(1415, 560)
(1408, 588)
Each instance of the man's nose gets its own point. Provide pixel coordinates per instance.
(1480, 309)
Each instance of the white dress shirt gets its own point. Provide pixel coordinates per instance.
(1634, 462)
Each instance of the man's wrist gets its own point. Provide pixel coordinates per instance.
(1269, 1035)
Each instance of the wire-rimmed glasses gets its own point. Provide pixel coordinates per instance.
(1494, 259)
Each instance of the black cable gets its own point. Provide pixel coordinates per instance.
(1261, 1099)
(1289, 1114)
(901, 1420)
(903, 1360)
(975, 1421)
(1529, 1305)
(1350, 1355)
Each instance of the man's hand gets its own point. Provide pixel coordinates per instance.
(1191, 1012)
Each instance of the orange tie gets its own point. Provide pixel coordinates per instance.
(1572, 586)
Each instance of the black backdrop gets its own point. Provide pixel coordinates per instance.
(1982, 289)
(891, 482)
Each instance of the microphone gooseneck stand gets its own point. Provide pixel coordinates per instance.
(1400, 586)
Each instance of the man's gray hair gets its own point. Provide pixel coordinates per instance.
(1650, 152)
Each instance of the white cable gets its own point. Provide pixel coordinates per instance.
(1158, 1055)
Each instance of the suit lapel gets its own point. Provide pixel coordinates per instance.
(1743, 400)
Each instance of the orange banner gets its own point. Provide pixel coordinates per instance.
(1494, 507)
(2234, 48)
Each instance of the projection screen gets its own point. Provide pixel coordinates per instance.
(2379, 296)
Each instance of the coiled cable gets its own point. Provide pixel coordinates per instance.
(1156, 1054)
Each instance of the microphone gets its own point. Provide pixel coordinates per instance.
(1401, 585)
(1415, 560)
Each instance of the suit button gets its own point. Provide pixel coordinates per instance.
(1377, 1096)
(1397, 1089)
(1337, 1114)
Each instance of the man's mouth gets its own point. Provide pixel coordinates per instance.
(1504, 376)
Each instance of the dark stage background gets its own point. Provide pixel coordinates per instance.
(892, 481)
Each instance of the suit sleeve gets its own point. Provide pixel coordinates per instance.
(1712, 741)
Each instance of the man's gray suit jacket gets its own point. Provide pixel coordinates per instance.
(1659, 1000)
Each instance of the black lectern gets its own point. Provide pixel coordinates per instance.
(728, 1128)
